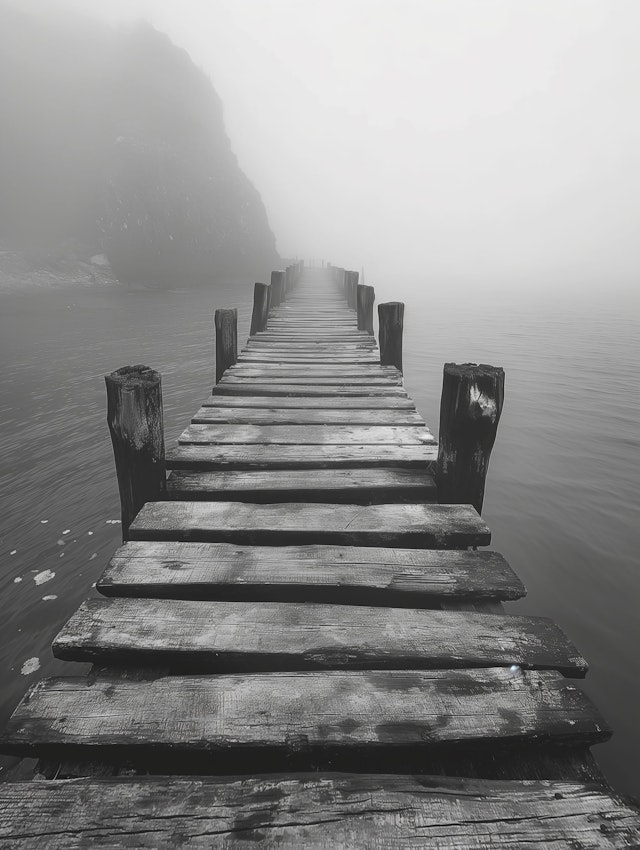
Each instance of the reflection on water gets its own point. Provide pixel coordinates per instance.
(563, 482)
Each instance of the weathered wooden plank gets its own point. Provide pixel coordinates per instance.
(327, 337)
(360, 370)
(319, 811)
(210, 457)
(255, 387)
(294, 416)
(259, 636)
(354, 486)
(338, 574)
(407, 435)
(413, 525)
(282, 359)
(318, 380)
(310, 342)
(302, 403)
(383, 712)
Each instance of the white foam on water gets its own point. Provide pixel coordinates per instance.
(44, 576)
(30, 666)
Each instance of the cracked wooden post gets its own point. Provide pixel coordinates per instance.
(366, 296)
(390, 327)
(261, 305)
(470, 409)
(134, 416)
(226, 322)
(277, 288)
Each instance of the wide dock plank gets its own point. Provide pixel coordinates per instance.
(316, 811)
(414, 525)
(348, 485)
(302, 435)
(254, 636)
(387, 712)
(345, 574)
(212, 457)
(323, 416)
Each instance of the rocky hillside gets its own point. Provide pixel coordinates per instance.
(113, 141)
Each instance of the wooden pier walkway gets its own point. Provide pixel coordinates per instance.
(299, 646)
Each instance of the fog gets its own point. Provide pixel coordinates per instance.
(489, 142)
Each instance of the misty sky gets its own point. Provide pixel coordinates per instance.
(489, 140)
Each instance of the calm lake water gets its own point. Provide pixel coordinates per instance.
(562, 496)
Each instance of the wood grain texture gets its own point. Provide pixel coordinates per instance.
(261, 302)
(282, 358)
(321, 378)
(300, 457)
(134, 417)
(311, 403)
(363, 371)
(254, 387)
(259, 636)
(415, 525)
(226, 325)
(346, 574)
(303, 435)
(351, 486)
(379, 711)
(391, 325)
(291, 416)
(315, 811)
(470, 408)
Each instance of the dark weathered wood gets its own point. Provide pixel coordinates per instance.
(363, 372)
(292, 416)
(470, 409)
(210, 457)
(390, 328)
(383, 712)
(330, 387)
(134, 417)
(277, 288)
(261, 305)
(213, 434)
(260, 636)
(226, 324)
(337, 574)
(352, 289)
(395, 402)
(416, 525)
(318, 379)
(320, 811)
(365, 296)
(282, 358)
(343, 486)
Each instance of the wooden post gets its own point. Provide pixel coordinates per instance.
(366, 295)
(134, 416)
(226, 322)
(261, 302)
(277, 288)
(470, 410)
(352, 289)
(391, 323)
(342, 283)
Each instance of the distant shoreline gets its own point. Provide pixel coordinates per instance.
(21, 271)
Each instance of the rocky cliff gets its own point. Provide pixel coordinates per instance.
(113, 141)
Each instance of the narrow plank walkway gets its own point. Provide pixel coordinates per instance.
(300, 604)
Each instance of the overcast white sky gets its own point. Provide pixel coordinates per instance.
(487, 139)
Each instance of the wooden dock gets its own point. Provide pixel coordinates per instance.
(303, 642)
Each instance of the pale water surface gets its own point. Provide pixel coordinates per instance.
(562, 498)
